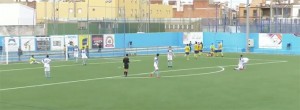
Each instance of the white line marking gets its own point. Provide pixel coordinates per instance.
(67, 82)
(62, 60)
(185, 75)
(98, 79)
(63, 66)
(172, 76)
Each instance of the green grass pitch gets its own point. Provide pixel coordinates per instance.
(270, 82)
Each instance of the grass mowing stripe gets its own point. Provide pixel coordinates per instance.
(61, 66)
(67, 82)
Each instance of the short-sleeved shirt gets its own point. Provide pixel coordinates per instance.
(126, 61)
(46, 62)
(196, 47)
(187, 49)
(220, 46)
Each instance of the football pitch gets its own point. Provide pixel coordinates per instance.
(269, 82)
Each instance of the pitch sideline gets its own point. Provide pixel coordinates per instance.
(62, 66)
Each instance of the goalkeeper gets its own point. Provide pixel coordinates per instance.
(32, 60)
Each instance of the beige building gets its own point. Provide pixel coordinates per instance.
(271, 9)
(101, 9)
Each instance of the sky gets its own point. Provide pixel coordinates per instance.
(234, 2)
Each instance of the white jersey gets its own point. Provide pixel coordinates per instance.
(156, 63)
(170, 55)
(83, 54)
(76, 52)
(241, 63)
(245, 60)
(46, 62)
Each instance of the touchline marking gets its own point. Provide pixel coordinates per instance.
(62, 60)
(85, 80)
(62, 66)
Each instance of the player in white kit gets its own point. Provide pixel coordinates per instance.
(242, 63)
(155, 67)
(170, 56)
(46, 61)
(76, 52)
(83, 56)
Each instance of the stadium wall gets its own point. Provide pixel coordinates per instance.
(236, 42)
(140, 40)
(286, 39)
(232, 42)
(1, 43)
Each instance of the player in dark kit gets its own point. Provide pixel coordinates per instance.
(126, 65)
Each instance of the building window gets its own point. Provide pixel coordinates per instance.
(298, 12)
(255, 13)
(79, 10)
(245, 13)
(70, 10)
(192, 26)
(234, 16)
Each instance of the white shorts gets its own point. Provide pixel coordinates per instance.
(241, 66)
(47, 68)
(245, 60)
(76, 55)
(170, 57)
(84, 56)
(155, 67)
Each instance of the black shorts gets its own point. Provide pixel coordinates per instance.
(218, 50)
(126, 66)
(187, 53)
(201, 50)
(196, 52)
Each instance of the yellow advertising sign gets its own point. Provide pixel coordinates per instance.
(84, 41)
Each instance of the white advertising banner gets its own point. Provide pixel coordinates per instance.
(28, 43)
(192, 37)
(57, 42)
(71, 40)
(270, 41)
(12, 44)
(109, 41)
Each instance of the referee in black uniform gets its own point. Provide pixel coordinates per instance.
(126, 65)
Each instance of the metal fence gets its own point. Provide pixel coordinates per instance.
(112, 26)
